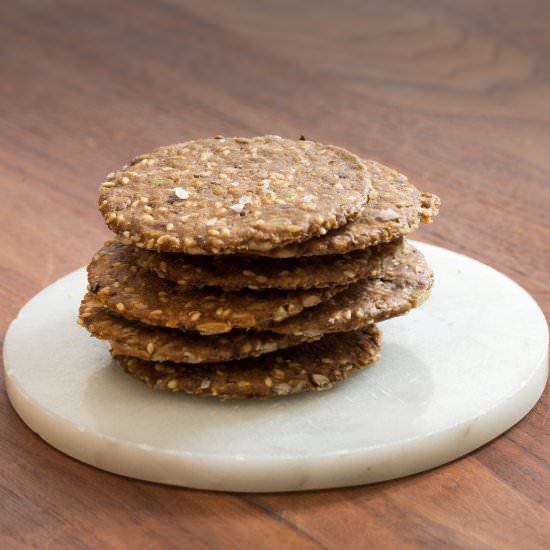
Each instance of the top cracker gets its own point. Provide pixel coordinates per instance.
(234, 195)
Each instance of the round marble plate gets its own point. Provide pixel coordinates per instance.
(454, 374)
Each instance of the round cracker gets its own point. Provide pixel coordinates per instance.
(140, 295)
(403, 284)
(230, 195)
(164, 344)
(395, 209)
(236, 273)
(305, 368)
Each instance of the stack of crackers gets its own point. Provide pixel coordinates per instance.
(253, 267)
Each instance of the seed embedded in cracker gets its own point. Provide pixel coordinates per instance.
(306, 368)
(234, 195)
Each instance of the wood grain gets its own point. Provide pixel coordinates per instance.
(454, 94)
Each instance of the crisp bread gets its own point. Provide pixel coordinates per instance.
(306, 368)
(403, 284)
(235, 273)
(395, 209)
(232, 195)
(140, 295)
(164, 344)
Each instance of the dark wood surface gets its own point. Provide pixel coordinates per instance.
(454, 94)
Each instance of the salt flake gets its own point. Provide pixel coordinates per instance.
(388, 214)
(245, 200)
(181, 193)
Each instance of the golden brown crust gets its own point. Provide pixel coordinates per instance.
(137, 294)
(232, 195)
(164, 344)
(305, 368)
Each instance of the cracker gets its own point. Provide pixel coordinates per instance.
(231, 195)
(236, 273)
(305, 368)
(140, 295)
(403, 284)
(164, 344)
(395, 209)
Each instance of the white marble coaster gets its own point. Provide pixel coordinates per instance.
(454, 374)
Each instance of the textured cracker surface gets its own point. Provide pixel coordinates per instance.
(235, 273)
(230, 195)
(403, 284)
(305, 368)
(164, 344)
(137, 294)
(395, 209)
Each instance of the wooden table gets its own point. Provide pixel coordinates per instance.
(454, 94)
